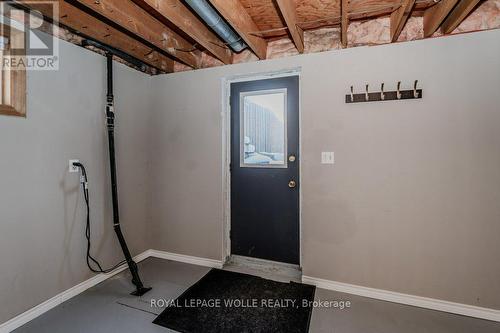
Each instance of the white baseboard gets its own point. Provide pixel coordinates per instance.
(40, 309)
(423, 302)
(418, 301)
(186, 259)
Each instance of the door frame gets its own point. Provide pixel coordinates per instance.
(226, 150)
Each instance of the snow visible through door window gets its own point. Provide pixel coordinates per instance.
(264, 129)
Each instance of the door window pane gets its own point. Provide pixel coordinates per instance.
(263, 128)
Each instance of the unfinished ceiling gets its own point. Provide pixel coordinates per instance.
(168, 35)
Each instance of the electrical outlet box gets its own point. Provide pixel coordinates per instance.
(327, 157)
(73, 168)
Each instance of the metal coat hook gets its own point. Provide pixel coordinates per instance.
(383, 95)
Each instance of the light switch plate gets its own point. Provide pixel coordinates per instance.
(327, 157)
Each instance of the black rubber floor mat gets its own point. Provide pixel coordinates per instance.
(224, 301)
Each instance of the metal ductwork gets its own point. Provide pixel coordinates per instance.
(213, 19)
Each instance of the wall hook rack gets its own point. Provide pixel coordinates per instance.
(398, 94)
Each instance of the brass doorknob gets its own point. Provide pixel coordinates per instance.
(292, 184)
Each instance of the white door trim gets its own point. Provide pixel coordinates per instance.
(226, 149)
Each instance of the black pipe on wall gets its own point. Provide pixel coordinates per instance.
(110, 118)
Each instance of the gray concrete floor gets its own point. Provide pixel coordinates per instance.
(108, 307)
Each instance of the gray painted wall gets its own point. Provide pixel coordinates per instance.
(412, 203)
(42, 244)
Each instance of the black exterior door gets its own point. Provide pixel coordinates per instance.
(265, 169)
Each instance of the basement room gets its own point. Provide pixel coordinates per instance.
(254, 166)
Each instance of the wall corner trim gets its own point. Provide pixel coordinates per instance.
(395, 297)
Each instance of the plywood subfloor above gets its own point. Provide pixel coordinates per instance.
(313, 14)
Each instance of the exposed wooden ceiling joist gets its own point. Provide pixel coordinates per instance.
(175, 12)
(435, 15)
(344, 22)
(289, 13)
(138, 22)
(458, 14)
(158, 31)
(236, 15)
(91, 27)
(399, 18)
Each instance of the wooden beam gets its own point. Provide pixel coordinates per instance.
(91, 27)
(435, 15)
(237, 16)
(456, 17)
(344, 22)
(177, 14)
(399, 18)
(139, 23)
(289, 12)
